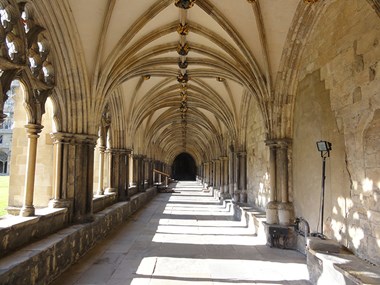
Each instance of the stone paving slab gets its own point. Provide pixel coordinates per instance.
(186, 237)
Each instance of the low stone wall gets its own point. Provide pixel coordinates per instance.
(103, 201)
(41, 262)
(16, 231)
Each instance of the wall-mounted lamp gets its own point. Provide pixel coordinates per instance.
(324, 147)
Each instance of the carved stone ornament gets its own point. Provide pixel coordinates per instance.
(183, 49)
(183, 78)
(182, 64)
(184, 4)
(183, 30)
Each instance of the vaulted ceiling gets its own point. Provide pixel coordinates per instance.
(183, 77)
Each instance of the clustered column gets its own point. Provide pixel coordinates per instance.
(279, 209)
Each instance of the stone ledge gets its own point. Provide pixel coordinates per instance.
(42, 261)
(16, 231)
(253, 217)
(343, 268)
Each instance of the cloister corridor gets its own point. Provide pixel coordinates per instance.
(185, 237)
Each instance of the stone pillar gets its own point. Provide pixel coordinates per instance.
(135, 171)
(231, 173)
(285, 209)
(236, 182)
(123, 179)
(100, 190)
(224, 173)
(279, 211)
(243, 176)
(272, 206)
(33, 131)
(150, 173)
(61, 143)
(130, 169)
(111, 171)
(73, 177)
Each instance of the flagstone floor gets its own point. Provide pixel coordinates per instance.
(185, 237)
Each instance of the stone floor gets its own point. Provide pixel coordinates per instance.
(185, 237)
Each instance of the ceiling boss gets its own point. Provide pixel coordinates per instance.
(184, 4)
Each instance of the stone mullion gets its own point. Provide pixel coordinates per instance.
(33, 135)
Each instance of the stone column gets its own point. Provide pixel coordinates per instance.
(272, 206)
(100, 190)
(150, 173)
(74, 166)
(111, 171)
(135, 177)
(224, 172)
(130, 169)
(285, 209)
(243, 176)
(33, 131)
(236, 182)
(123, 179)
(61, 142)
(279, 211)
(231, 173)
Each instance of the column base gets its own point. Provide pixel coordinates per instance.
(272, 213)
(286, 213)
(59, 203)
(243, 197)
(27, 211)
(236, 197)
(110, 190)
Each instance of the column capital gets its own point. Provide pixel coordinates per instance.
(278, 143)
(33, 130)
(72, 138)
(223, 158)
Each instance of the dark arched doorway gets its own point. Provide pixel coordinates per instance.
(184, 167)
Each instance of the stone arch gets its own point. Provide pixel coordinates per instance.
(184, 167)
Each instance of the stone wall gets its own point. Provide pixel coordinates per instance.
(257, 159)
(41, 262)
(338, 100)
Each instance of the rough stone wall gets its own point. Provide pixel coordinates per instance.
(257, 159)
(344, 49)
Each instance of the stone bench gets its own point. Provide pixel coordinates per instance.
(339, 266)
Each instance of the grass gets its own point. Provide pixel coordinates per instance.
(4, 187)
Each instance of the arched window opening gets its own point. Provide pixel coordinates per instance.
(184, 167)
(15, 96)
